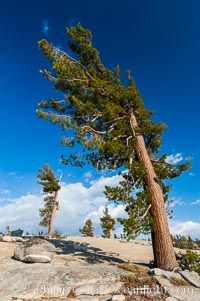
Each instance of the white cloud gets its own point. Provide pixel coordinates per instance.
(174, 159)
(197, 202)
(45, 27)
(77, 203)
(21, 213)
(187, 228)
(191, 174)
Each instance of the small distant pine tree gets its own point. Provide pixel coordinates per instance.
(107, 224)
(8, 230)
(88, 229)
(40, 233)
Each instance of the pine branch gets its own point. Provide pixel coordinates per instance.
(73, 60)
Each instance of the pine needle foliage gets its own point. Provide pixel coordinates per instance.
(88, 229)
(107, 224)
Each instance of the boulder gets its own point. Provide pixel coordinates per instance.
(17, 232)
(35, 250)
(8, 238)
(191, 277)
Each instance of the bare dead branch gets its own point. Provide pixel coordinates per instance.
(145, 214)
(127, 140)
(90, 129)
(96, 117)
(55, 79)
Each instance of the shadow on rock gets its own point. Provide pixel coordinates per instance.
(85, 252)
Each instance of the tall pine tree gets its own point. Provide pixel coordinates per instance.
(50, 188)
(111, 123)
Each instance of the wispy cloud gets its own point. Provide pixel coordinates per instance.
(176, 202)
(197, 202)
(13, 173)
(16, 176)
(45, 27)
(191, 174)
(87, 176)
(174, 159)
(4, 191)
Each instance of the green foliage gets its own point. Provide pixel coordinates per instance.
(95, 113)
(40, 233)
(107, 223)
(46, 211)
(88, 229)
(48, 180)
(190, 261)
(57, 234)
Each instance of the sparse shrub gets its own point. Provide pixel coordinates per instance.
(57, 234)
(190, 261)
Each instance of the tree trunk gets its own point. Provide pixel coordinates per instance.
(53, 213)
(110, 233)
(164, 254)
(154, 248)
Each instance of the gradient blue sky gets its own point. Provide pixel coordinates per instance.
(158, 40)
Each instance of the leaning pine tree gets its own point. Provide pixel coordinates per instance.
(110, 121)
(50, 188)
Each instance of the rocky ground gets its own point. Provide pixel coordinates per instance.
(93, 269)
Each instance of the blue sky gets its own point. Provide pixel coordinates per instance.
(158, 40)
